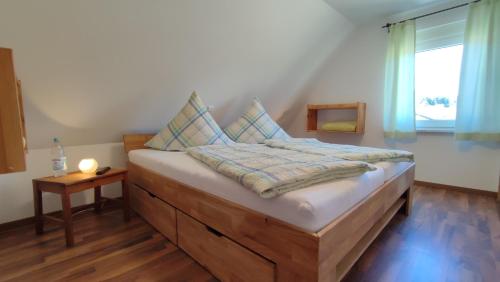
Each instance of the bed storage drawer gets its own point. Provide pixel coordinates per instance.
(158, 213)
(226, 259)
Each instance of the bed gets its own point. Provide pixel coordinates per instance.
(304, 235)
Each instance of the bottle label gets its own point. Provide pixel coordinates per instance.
(58, 164)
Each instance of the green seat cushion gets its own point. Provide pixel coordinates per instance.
(345, 126)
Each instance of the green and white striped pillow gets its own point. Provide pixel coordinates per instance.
(192, 126)
(255, 126)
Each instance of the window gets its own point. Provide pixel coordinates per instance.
(437, 74)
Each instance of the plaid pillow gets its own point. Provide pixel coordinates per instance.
(255, 126)
(192, 126)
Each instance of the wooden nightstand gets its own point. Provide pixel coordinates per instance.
(72, 183)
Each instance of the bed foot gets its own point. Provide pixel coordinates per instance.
(408, 196)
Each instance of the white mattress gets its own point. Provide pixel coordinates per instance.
(310, 208)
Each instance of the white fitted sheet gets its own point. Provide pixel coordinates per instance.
(310, 208)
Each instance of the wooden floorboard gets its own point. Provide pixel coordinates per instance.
(106, 248)
(450, 236)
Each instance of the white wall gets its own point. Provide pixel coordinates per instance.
(355, 72)
(16, 193)
(93, 70)
(140, 60)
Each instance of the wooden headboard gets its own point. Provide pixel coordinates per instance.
(135, 141)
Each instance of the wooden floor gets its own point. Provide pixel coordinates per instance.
(451, 236)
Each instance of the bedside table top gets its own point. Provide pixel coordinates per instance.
(77, 177)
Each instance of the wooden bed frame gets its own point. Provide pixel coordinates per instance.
(243, 244)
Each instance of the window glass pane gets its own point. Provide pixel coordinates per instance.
(437, 76)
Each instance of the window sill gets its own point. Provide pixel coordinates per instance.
(445, 130)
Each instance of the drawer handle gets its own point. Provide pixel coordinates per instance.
(151, 195)
(213, 231)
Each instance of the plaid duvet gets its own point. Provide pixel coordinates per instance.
(270, 171)
(346, 152)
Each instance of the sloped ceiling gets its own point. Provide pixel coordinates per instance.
(93, 70)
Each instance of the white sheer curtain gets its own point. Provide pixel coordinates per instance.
(478, 105)
(399, 92)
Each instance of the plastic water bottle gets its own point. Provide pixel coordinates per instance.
(59, 166)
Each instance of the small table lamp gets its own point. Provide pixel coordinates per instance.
(88, 166)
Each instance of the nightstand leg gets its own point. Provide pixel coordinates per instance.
(97, 199)
(38, 203)
(68, 221)
(125, 195)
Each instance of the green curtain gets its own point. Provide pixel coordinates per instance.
(399, 92)
(478, 105)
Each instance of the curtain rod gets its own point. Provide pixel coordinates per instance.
(433, 13)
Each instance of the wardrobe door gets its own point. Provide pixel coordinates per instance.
(12, 141)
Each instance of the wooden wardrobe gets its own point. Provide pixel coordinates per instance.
(12, 127)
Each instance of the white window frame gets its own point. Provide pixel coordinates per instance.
(436, 37)
(435, 125)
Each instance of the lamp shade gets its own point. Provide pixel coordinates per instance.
(88, 165)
